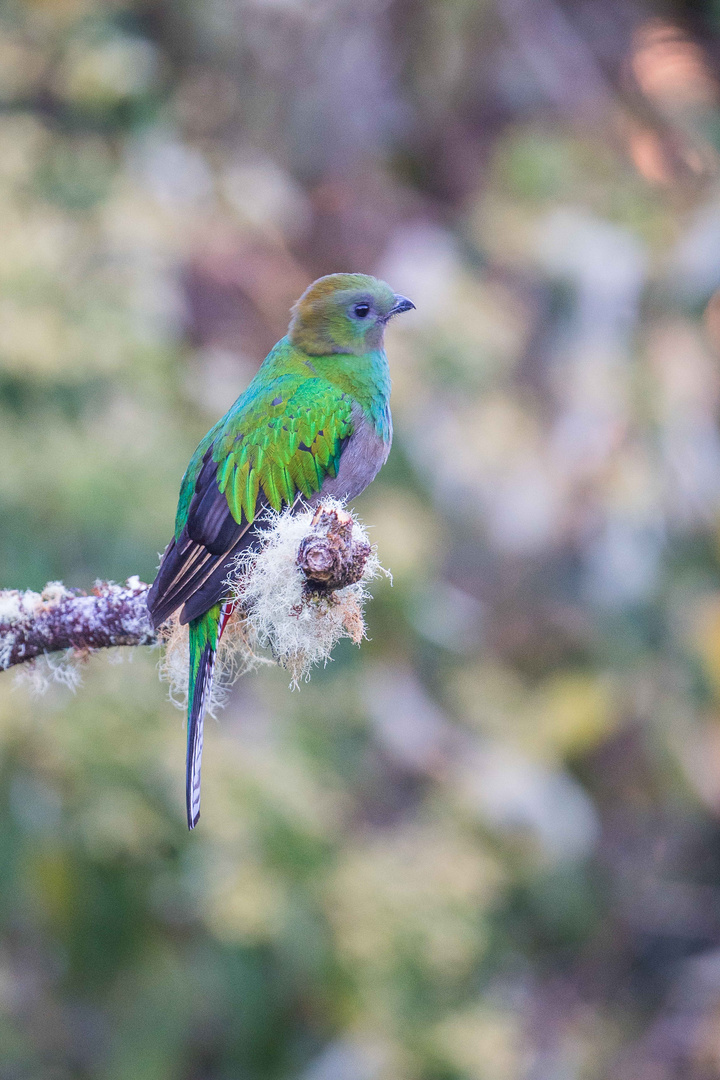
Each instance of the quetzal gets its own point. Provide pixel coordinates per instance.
(315, 421)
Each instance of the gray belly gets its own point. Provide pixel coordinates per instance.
(361, 460)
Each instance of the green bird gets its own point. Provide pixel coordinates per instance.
(315, 421)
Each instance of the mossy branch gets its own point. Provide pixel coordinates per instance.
(34, 624)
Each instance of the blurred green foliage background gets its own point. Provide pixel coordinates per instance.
(486, 845)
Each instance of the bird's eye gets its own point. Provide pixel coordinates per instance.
(361, 310)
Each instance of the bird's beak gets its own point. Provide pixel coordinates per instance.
(401, 304)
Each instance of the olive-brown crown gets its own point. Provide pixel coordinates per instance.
(343, 313)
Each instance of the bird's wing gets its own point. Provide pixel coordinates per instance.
(281, 442)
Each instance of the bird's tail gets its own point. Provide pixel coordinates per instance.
(205, 633)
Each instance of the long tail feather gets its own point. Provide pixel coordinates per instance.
(205, 633)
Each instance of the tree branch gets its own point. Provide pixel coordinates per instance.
(58, 618)
(328, 556)
(32, 624)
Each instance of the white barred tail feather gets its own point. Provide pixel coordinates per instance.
(196, 721)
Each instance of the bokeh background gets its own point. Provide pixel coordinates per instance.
(486, 845)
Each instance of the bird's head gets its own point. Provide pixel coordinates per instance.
(344, 313)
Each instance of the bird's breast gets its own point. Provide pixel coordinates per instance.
(360, 462)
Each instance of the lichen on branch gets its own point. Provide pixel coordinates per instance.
(308, 587)
(33, 624)
(302, 592)
(298, 596)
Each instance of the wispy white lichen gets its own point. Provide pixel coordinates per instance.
(15, 605)
(53, 593)
(39, 674)
(61, 668)
(236, 655)
(300, 628)
(276, 611)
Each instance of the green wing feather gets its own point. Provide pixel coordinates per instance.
(282, 439)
